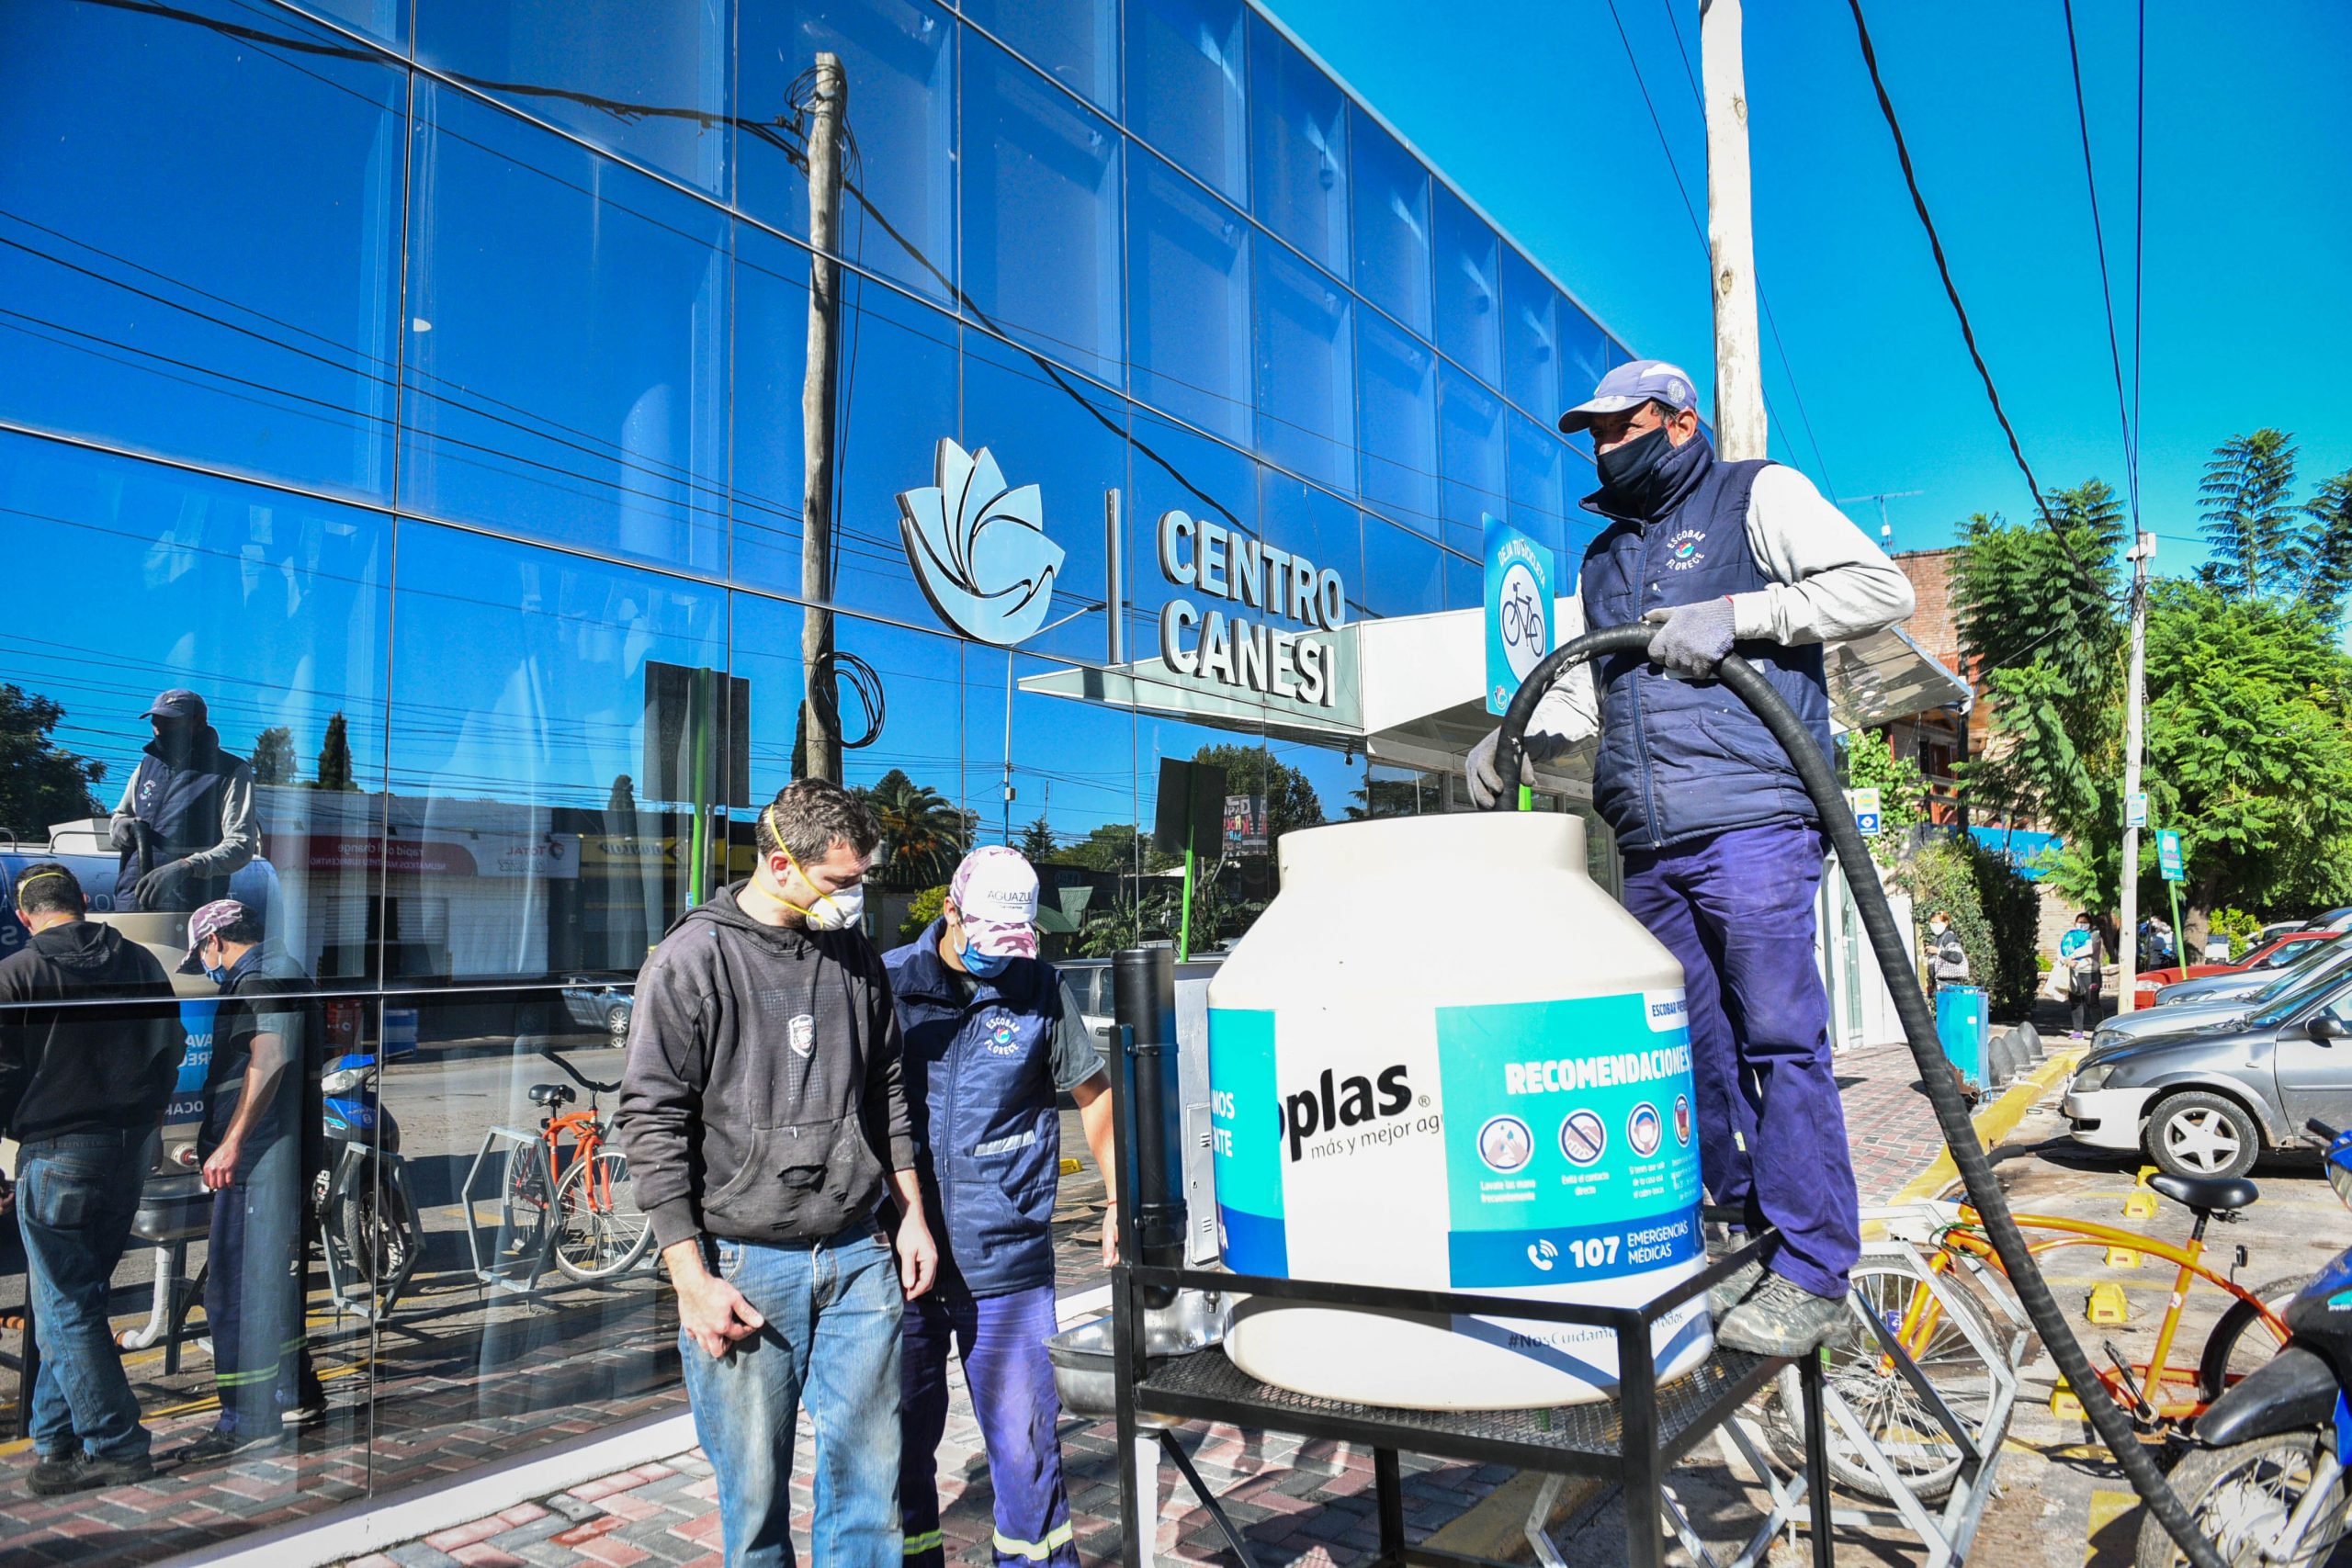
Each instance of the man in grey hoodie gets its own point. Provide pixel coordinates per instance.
(764, 1123)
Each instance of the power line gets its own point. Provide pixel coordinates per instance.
(1951, 292)
(2139, 229)
(2107, 292)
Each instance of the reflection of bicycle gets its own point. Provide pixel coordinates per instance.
(1522, 619)
(1945, 1331)
(567, 1198)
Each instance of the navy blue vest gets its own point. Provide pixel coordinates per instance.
(180, 805)
(1682, 760)
(979, 1086)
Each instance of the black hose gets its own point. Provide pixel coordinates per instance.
(2107, 1417)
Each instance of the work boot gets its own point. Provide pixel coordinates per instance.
(53, 1475)
(86, 1471)
(221, 1443)
(1725, 1294)
(1781, 1318)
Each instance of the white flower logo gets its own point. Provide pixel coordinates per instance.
(978, 549)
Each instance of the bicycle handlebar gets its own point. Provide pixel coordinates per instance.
(591, 1084)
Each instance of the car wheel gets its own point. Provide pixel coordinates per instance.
(2203, 1135)
(617, 1025)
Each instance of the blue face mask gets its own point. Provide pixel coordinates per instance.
(987, 966)
(218, 977)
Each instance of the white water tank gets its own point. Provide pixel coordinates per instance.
(1444, 1059)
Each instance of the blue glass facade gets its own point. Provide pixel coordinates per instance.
(421, 382)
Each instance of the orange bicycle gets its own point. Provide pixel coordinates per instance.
(568, 1194)
(1908, 1283)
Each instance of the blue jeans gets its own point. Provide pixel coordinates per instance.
(75, 1197)
(831, 1342)
(1737, 910)
(252, 1294)
(1002, 1341)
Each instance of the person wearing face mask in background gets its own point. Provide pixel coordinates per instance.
(1947, 960)
(993, 1035)
(764, 1121)
(1723, 849)
(186, 821)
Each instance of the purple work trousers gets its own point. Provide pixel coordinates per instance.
(1737, 910)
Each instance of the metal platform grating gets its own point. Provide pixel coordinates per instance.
(1594, 1430)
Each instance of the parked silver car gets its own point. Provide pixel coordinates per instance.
(2207, 1102)
(2301, 958)
(2318, 969)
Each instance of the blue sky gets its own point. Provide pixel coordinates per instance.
(1532, 109)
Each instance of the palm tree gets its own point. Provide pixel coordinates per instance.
(923, 833)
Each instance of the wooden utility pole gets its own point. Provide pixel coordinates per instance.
(1731, 243)
(820, 723)
(2133, 703)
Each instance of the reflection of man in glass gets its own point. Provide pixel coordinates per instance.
(252, 1148)
(186, 822)
(82, 1090)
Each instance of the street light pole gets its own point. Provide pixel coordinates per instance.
(2143, 550)
(1731, 244)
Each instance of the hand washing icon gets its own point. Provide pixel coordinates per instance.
(979, 549)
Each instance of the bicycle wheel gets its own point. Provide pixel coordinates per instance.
(1914, 1444)
(602, 1230)
(2244, 1498)
(2241, 1341)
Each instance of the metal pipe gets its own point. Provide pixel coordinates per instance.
(1144, 1002)
(159, 1312)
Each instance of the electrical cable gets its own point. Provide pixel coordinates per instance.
(2113, 1426)
(2106, 291)
(1951, 292)
(864, 683)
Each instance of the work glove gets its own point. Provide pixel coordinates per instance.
(1546, 739)
(124, 834)
(1692, 639)
(160, 889)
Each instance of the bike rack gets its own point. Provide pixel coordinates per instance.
(487, 1269)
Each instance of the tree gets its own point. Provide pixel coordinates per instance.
(1291, 800)
(624, 794)
(1115, 847)
(273, 758)
(923, 833)
(1870, 763)
(41, 784)
(334, 757)
(1036, 844)
(2251, 525)
(2328, 581)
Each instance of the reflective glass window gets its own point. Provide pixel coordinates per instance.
(1073, 777)
(1537, 506)
(646, 78)
(1298, 148)
(1532, 339)
(1188, 301)
(272, 608)
(1041, 213)
(1306, 364)
(1185, 86)
(895, 399)
(1069, 437)
(1397, 409)
(1468, 309)
(770, 358)
(387, 21)
(1305, 521)
(1172, 468)
(1404, 574)
(1585, 357)
(538, 698)
(1401, 791)
(567, 341)
(1471, 420)
(1076, 41)
(898, 203)
(1578, 527)
(1391, 197)
(218, 286)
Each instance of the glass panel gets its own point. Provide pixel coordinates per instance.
(1471, 420)
(1467, 329)
(1174, 470)
(1184, 87)
(898, 217)
(541, 700)
(272, 609)
(1299, 149)
(1532, 339)
(1067, 437)
(645, 78)
(1041, 214)
(1396, 378)
(1307, 365)
(567, 359)
(1536, 507)
(1404, 574)
(1074, 795)
(384, 20)
(1399, 792)
(1392, 223)
(1305, 521)
(1076, 40)
(1188, 301)
(1577, 526)
(212, 286)
(1586, 355)
(768, 466)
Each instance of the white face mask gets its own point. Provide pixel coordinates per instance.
(837, 911)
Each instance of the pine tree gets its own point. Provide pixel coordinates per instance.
(41, 784)
(2327, 577)
(1036, 844)
(2251, 523)
(273, 758)
(334, 757)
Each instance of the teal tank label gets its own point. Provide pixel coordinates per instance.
(1571, 1141)
(1245, 1148)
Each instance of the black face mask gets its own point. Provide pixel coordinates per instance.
(1639, 476)
(176, 742)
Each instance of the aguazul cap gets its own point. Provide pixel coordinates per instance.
(996, 892)
(177, 703)
(212, 921)
(1629, 387)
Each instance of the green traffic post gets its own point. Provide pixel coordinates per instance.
(1527, 797)
(1184, 915)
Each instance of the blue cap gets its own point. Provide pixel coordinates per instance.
(177, 703)
(1629, 387)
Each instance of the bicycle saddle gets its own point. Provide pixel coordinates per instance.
(552, 1094)
(2206, 1194)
